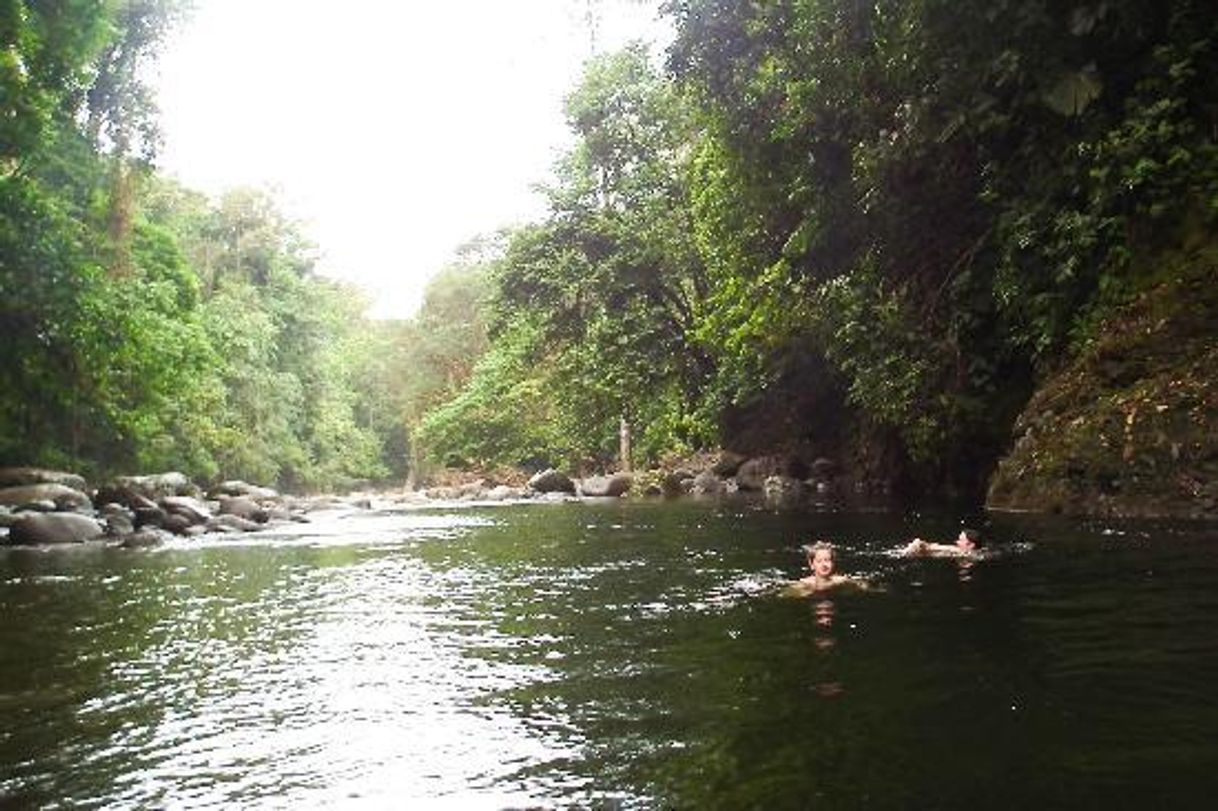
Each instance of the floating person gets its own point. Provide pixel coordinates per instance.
(823, 563)
(967, 545)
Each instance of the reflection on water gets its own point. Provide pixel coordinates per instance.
(609, 656)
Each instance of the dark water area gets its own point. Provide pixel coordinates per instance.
(613, 656)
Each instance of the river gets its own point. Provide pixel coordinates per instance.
(620, 655)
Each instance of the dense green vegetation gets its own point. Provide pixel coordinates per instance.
(866, 231)
(143, 326)
(860, 230)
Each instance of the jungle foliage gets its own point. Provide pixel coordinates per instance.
(144, 327)
(822, 225)
(918, 208)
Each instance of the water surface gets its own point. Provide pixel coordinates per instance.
(612, 656)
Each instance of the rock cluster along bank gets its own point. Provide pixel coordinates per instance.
(40, 506)
(778, 478)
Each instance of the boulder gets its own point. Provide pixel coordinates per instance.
(606, 486)
(753, 473)
(52, 528)
(157, 485)
(551, 481)
(727, 464)
(149, 516)
(243, 507)
(64, 497)
(176, 523)
(236, 487)
(706, 483)
(677, 483)
(17, 476)
(118, 519)
(189, 508)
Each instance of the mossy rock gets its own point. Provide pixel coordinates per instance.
(1128, 427)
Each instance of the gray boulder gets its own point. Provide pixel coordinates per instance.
(551, 481)
(119, 520)
(606, 486)
(176, 523)
(54, 528)
(158, 485)
(243, 507)
(16, 476)
(64, 497)
(753, 473)
(706, 483)
(189, 508)
(236, 487)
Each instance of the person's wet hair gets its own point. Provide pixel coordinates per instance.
(973, 535)
(810, 549)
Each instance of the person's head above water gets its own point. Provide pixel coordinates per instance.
(820, 558)
(969, 540)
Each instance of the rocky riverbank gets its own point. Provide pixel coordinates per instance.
(39, 506)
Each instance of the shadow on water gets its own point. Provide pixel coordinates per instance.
(615, 655)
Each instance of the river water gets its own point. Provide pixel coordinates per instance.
(618, 655)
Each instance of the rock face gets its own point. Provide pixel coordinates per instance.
(752, 474)
(54, 528)
(62, 496)
(606, 486)
(1130, 428)
(551, 481)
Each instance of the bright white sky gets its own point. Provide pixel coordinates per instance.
(394, 130)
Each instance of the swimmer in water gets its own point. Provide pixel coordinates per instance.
(824, 575)
(967, 545)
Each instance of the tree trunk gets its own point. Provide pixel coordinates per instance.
(624, 447)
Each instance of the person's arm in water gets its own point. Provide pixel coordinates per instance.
(966, 545)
